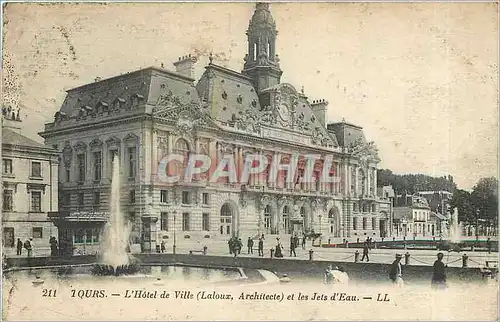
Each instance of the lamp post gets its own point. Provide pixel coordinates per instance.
(174, 245)
(296, 216)
(176, 202)
(477, 224)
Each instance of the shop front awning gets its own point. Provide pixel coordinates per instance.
(85, 216)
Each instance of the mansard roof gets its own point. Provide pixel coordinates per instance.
(226, 93)
(143, 86)
(347, 134)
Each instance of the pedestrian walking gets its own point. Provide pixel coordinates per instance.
(365, 252)
(278, 249)
(396, 272)
(53, 246)
(231, 245)
(162, 246)
(292, 246)
(328, 276)
(28, 246)
(488, 245)
(19, 246)
(239, 245)
(250, 245)
(261, 246)
(304, 241)
(438, 273)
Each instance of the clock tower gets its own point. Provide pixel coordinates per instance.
(261, 61)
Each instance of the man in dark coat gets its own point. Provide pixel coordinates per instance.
(239, 245)
(365, 252)
(261, 246)
(19, 246)
(304, 241)
(53, 246)
(27, 245)
(250, 245)
(292, 246)
(396, 271)
(231, 245)
(439, 274)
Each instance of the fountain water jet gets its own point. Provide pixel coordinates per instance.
(115, 259)
(455, 230)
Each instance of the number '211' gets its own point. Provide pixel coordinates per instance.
(48, 293)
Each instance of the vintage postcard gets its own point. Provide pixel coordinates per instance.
(250, 161)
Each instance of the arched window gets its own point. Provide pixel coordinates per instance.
(181, 145)
(226, 218)
(332, 222)
(286, 219)
(267, 219)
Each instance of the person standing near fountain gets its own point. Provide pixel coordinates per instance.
(396, 272)
(19, 247)
(365, 251)
(439, 274)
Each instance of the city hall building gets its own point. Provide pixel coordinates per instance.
(145, 115)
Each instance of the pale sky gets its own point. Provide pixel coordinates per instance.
(421, 78)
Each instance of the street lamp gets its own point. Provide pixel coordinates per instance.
(176, 204)
(175, 228)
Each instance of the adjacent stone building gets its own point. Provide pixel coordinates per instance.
(144, 115)
(29, 188)
(413, 217)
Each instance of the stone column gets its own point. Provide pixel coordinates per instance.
(368, 178)
(375, 181)
(356, 180)
(346, 179)
(241, 162)
(154, 161)
(337, 177)
(104, 163)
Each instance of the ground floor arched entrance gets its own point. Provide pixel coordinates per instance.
(334, 222)
(227, 220)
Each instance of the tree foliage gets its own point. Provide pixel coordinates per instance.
(462, 201)
(412, 183)
(484, 199)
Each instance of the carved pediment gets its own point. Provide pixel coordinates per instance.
(80, 146)
(264, 201)
(247, 120)
(95, 143)
(113, 141)
(131, 137)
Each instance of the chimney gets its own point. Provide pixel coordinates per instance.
(319, 109)
(185, 65)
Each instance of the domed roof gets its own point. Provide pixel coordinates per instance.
(262, 16)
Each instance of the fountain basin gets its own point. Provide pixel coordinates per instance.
(109, 270)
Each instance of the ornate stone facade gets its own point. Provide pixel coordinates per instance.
(225, 113)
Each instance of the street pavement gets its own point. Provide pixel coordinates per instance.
(417, 256)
